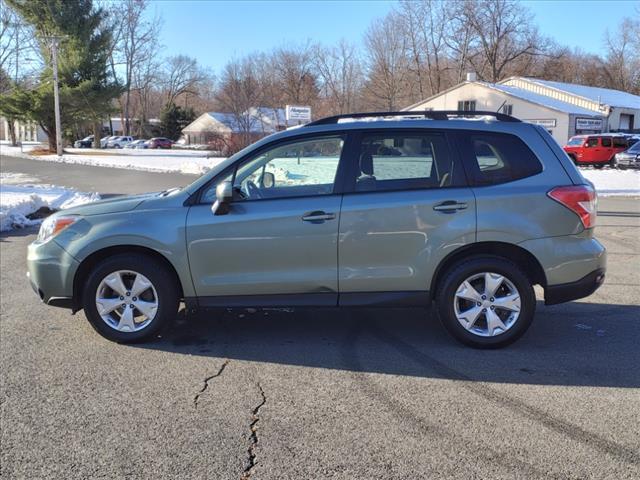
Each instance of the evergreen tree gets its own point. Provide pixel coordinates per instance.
(173, 119)
(86, 90)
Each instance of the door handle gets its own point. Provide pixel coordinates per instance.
(318, 216)
(450, 206)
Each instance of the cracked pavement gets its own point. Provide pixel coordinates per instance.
(323, 393)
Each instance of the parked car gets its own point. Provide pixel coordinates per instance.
(630, 158)
(596, 150)
(160, 142)
(137, 144)
(444, 215)
(119, 142)
(86, 142)
(104, 141)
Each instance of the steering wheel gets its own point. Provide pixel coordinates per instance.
(252, 190)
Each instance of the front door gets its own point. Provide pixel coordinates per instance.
(409, 208)
(278, 241)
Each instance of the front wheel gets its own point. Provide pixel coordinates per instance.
(486, 302)
(129, 298)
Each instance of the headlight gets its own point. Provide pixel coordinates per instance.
(54, 225)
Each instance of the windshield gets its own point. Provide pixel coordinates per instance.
(635, 148)
(576, 141)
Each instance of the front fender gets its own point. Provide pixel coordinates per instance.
(161, 230)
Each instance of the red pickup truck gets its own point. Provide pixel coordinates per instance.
(596, 150)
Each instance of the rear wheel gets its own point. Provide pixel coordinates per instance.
(129, 298)
(486, 302)
(613, 163)
(599, 166)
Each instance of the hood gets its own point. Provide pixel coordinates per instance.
(110, 205)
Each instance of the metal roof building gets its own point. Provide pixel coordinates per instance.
(564, 109)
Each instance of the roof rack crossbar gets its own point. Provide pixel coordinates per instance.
(431, 114)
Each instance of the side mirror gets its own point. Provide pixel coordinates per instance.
(224, 195)
(268, 180)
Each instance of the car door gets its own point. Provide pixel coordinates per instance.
(591, 149)
(278, 241)
(606, 151)
(408, 207)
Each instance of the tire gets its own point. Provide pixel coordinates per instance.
(599, 166)
(159, 300)
(478, 333)
(613, 163)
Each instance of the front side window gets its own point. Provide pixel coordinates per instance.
(298, 168)
(393, 161)
(499, 158)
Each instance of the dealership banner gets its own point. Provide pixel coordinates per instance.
(543, 122)
(588, 123)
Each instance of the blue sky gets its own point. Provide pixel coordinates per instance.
(217, 31)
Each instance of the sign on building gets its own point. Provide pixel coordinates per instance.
(298, 113)
(588, 124)
(543, 122)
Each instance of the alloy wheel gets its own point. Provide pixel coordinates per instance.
(127, 301)
(487, 304)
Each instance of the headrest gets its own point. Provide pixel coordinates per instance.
(366, 163)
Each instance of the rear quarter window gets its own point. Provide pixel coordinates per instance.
(499, 158)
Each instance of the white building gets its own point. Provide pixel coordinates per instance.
(564, 109)
(256, 121)
(25, 131)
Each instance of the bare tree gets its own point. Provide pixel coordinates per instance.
(340, 72)
(137, 40)
(387, 64)
(239, 92)
(622, 62)
(293, 69)
(424, 24)
(501, 35)
(182, 75)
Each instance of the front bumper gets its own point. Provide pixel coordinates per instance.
(567, 292)
(50, 272)
(628, 161)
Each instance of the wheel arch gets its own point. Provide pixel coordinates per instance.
(522, 257)
(90, 261)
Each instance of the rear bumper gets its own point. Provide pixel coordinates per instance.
(567, 292)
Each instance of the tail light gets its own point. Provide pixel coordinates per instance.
(580, 199)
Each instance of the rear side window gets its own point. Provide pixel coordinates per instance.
(606, 142)
(592, 142)
(500, 158)
(404, 161)
(620, 142)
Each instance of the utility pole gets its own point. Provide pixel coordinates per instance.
(56, 94)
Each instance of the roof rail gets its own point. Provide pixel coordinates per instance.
(431, 114)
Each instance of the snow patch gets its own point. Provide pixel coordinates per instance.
(168, 161)
(19, 200)
(614, 182)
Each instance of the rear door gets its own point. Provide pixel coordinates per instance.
(408, 206)
(606, 151)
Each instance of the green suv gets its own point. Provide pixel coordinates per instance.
(467, 210)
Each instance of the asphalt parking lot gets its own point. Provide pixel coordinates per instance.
(320, 393)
